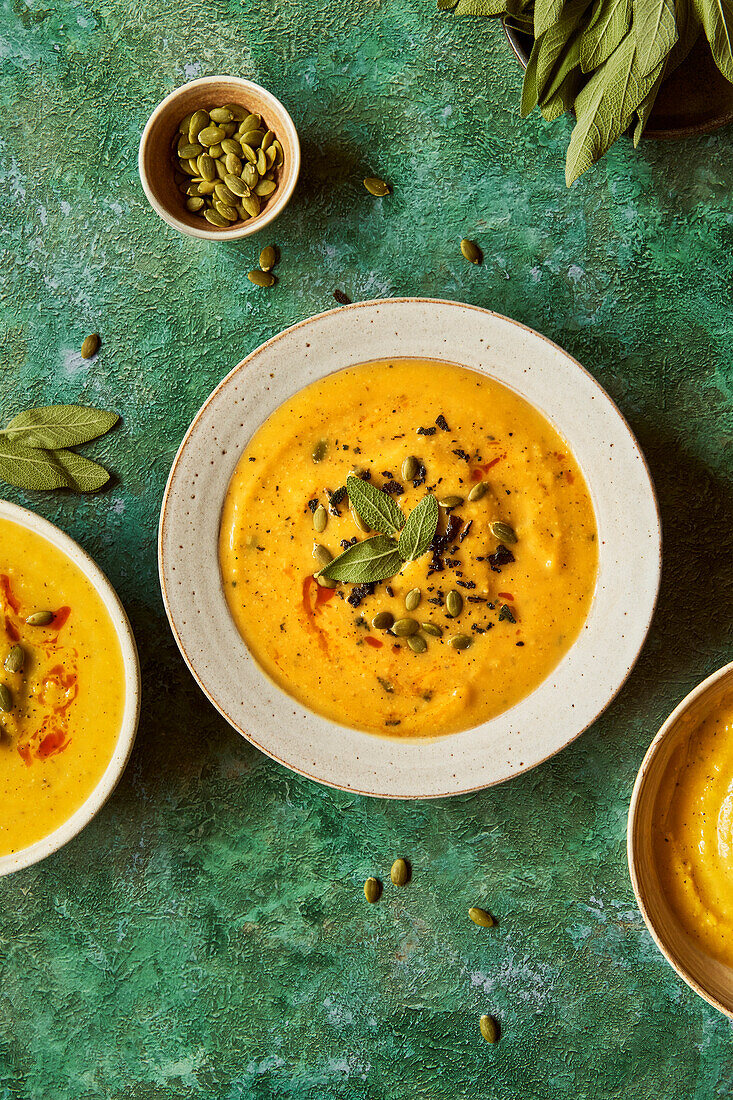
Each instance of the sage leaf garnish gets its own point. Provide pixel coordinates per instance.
(716, 17)
(374, 559)
(38, 469)
(419, 529)
(55, 426)
(377, 509)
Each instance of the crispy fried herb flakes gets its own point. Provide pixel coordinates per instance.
(360, 592)
(465, 530)
(460, 453)
(313, 504)
(426, 431)
(393, 488)
(505, 614)
(501, 556)
(386, 686)
(442, 423)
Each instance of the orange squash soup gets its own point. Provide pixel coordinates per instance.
(62, 687)
(408, 547)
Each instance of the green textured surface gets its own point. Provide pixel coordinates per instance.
(207, 935)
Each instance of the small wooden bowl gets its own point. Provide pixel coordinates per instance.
(156, 167)
(712, 980)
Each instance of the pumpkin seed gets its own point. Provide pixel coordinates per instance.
(280, 154)
(478, 491)
(194, 203)
(189, 150)
(372, 890)
(319, 451)
(231, 145)
(216, 151)
(271, 156)
(226, 211)
(460, 641)
(267, 140)
(216, 219)
(268, 258)
(417, 643)
(489, 1028)
(199, 119)
(6, 699)
(211, 135)
(90, 346)
(261, 162)
(261, 278)
(403, 628)
(376, 186)
(400, 872)
(360, 523)
(206, 187)
(221, 114)
(450, 501)
(326, 582)
(221, 169)
(471, 251)
(190, 171)
(233, 164)
(265, 188)
(453, 604)
(481, 917)
(251, 122)
(242, 212)
(237, 112)
(383, 620)
(15, 659)
(253, 138)
(185, 123)
(249, 154)
(205, 164)
(410, 468)
(223, 193)
(322, 554)
(320, 519)
(229, 128)
(503, 532)
(252, 205)
(250, 175)
(431, 629)
(40, 618)
(236, 186)
(412, 599)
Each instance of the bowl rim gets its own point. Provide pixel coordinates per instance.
(112, 774)
(631, 854)
(631, 650)
(254, 225)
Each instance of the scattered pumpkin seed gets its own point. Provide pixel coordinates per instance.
(410, 468)
(40, 618)
(403, 628)
(261, 278)
(6, 699)
(372, 890)
(383, 620)
(322, 554)
(319, 451)
(503, 532)
(268, 258)
(478, 491)
(400, 872)
(453, 604)
(326, 582)
(452, 501)
(320, 519)
(376, 187)
(481, 917)
(15, 659)
(412, 599)
(90, 347)
(460, 641)
(417, 643)
(489, 1028)
(471, 251)
(432, 629)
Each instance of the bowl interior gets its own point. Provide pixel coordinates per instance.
(156, 160)
(123, 747)
(713, 980)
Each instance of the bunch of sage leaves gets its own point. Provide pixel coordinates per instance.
(35, 448)
(605, 59)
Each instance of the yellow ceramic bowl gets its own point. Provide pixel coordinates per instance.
(713, 980)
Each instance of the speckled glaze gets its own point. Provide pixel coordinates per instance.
(577, 690)
(131, 711)
(206, 937)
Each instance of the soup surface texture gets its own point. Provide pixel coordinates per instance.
(67, 699)
(525, 592)
(693, 834)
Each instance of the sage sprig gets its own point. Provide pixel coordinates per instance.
(378, 558)
(606, 60)
(34, 448)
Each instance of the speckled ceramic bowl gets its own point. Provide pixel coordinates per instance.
(577, 690)
(89, 809)
(711, 979)
(154, 157)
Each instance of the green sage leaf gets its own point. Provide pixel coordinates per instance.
(560, 46)
(375, 507)
(655, 30)
(419, 530)
(37, 469)
(608, 26)
(557, 102)
(374, 559)
(530, 95)
(480, 7)
(716, 17)
(546, 14)
(55, 426)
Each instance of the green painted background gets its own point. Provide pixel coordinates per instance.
(207, 935)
